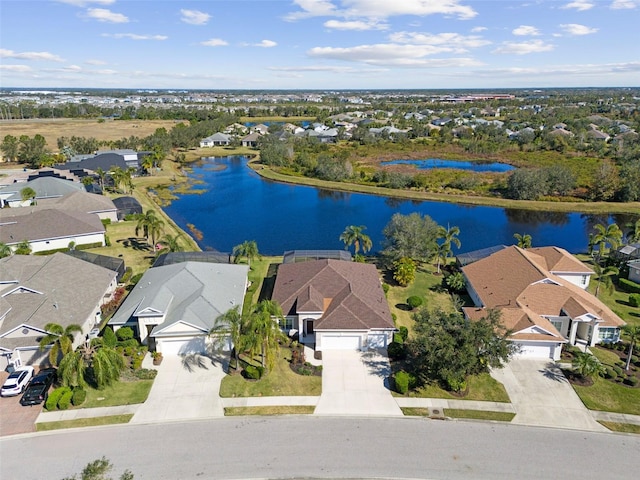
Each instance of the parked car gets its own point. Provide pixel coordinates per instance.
(17, 382)
(38, 390)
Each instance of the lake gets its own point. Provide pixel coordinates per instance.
(431, 163)
(239, 205)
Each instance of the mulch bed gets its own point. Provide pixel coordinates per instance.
(576, 379)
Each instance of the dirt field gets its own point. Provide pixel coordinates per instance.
(52, 129)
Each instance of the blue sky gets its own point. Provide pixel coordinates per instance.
(319, 44)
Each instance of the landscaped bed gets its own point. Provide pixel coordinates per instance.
(481, 387)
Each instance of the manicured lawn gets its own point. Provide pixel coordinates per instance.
(481, 387)
(610, 397)
(120, 393)
(479, 414)
(83, 422)
(129, 246)
(277, 410)
(281, 381)
(607, 357)
(257, 276)
(621, 427)
(423, 287)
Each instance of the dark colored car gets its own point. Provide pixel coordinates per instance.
(38, 390)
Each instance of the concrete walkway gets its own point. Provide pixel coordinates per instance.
(542, 396)
(457, 404)
(356, 383)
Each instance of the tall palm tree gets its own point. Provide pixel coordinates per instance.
(103, 365)
(354, 235)
(604, 276)
(265, 322)
(101, 175)
(633, 332)
(155, 229)
(633, 235)
(248, 249)
(524, 240)
(609, 236)
(118, 176)
(5, 250)
(233, 323)
(449, 237)
(61, 340)
(171, 243)
(148, 164)
(151, 226)
(587, 365)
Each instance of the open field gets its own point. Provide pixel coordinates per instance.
(52, 129)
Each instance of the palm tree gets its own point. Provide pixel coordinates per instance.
(604, 276)
(587, 365)
(524, 240)
(609, 235)
(151, 226)
(633, 235)
(265, 323)
(233, 323)
(101, 364)
(633, 332)
(449, 236)
(354, 235)
(155, 228)
(61, 340)
(23, 248)
(5, 250)
(171, 243)
(148, 164)
(28, 194)
(118, 176)
(101, 175)
(248, 249)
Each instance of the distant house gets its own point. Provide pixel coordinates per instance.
(251, 140)
(44, 187)
(634, 270)
(598, 135)
(261, 128)
(334, 304)
(541, 295)
(107, 160)
(215, 140)
(36, 290)
(80, 201)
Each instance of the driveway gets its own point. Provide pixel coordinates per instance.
(356, 383)
(186, 388)
(14, 418)
(542, 396)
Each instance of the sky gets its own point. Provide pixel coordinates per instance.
(319, 44)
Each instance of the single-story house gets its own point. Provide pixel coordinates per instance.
(80, 201)
(44, 188)
(36, 290)
(217, 139)
(251, 140)
(334, 304)
(627, 252)
(634, 270)
(173, 308)
(48, 228)
(541, 294)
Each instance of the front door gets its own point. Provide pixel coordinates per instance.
(309, 327)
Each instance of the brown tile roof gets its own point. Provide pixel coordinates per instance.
(350, 294)
(559, 260)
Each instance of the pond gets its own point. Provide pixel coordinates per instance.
(239, 205)
(431, 163)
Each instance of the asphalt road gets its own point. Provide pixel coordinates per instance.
(324, 447)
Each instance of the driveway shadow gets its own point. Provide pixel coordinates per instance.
(377, 364)
(552, 372)
(193, 361)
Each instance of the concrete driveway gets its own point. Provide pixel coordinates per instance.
(542, 396)
(14, 418)
(186, 388)
(356, 383)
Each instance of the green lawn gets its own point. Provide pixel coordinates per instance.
(621, 427)
(607, 357)
(83, 422)
(481, 387)
(274, 410)
(423, 286)
(120, 393)
(610, 397)
(281, 381)
(479, 414)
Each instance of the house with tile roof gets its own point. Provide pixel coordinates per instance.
(44, 187)
(36, 290)
(334, 304)
(541, 294)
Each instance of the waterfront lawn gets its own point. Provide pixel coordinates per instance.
(426, 285)
(120, 393)
(482, 387)
(608, 396)
(281, 381)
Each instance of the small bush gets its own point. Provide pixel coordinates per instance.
(136, 278)
(396, 351)
(629, 286)
(404, 333)
(252, 372)
(414, 301)
(631, 381)
(385, 288)
(634, 359)
(618, 370)
(394, 317)
(109, 338)
(106, 221)
(260, 369)
(401, 382)
(65, 399)
(124, 333)
(397, 338)
(634, 299)
(78, 397)
(52, 401)
(610, 374)
(145, 374)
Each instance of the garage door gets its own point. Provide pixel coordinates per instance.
(534, 351)
(181, 347)
(340, 342)
(377, 340)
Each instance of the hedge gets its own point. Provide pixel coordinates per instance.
(634, 299)
(55, 397)
(79, 396)
(252, 372)
(88, 246)
(127, 275)
(629, 286)
(51, 252)
(401, 381)
(404, 332)
(65, 399)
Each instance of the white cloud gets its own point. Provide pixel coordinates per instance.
(95, 62)
(563, 70)
(215, 42)
(625, 4)
(135, 36)
(357, 25)
(380, 9)
(580, 5)
(38, 56)
(84, 3)
(327, 68)
(526, 30)
(106, 71)
(577, 29)
(524, 48)
(105, 15)
(16, 68)
(262, 44)
(478, 29)
(453, 42)
(194, 17)
(392, 54)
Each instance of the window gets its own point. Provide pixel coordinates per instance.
(584, 279)
(286, 323)
(608, 334)
(557, 324)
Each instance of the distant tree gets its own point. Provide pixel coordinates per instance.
(60, 339)
(354, 235)
(526, 184)
(524, 240)
(633, 235)
(10, 147)
(412, 236)
(32, 150)
(605, 182)
(28, 194)
(247, 249)
(606, 237)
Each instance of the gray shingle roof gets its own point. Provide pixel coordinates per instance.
(45, 187)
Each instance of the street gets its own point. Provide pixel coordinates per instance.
(324, 447)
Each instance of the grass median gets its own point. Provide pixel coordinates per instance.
(84, 422)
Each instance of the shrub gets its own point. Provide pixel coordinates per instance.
(252, 372)
(65, 400)
(124, 333)
(136, 278)
(126, 275)
(618, 370)
(631, 381)
(394, 317)
(629, 286)
(109, 338)
(634, 299)
(129, 346)
(106, 221)
(52, 402)
(79, 396)
(260, 369)
(610, 373)
(634, 359)
(404, 333)
(89, 246)
(396, 351)
(397, 338)
(145, 374)
(401, 381)
(385, 288)
(414, 301)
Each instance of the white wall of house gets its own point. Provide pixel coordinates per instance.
(530, 349)
(341, 339)
(108, 215)
(634, 273)
(579, 279)
(63, 242)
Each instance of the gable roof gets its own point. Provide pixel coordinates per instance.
(45, 187)
(82, 202)
(188, 293)
(348, 293)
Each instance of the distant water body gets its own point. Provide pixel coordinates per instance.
(239, 205)
(431, 163)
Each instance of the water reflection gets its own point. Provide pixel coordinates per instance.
(534, 218)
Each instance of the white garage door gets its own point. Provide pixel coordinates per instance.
(182, 347)
(534, 351)
(377, 340)
(340, 342)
